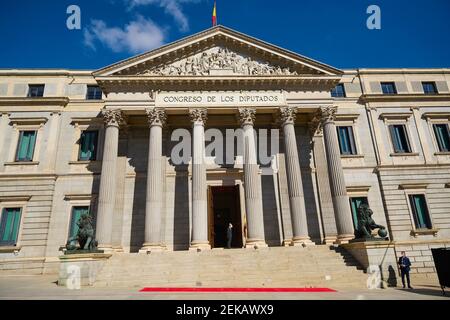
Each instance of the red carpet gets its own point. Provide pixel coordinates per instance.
(237, 290)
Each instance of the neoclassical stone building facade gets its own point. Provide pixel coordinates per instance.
(102, 142)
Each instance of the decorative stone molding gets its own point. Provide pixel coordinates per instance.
(288, 115)
(113, 117)
(247, 116)
(156, 117)
(198, 115)
(217, 61)
(40, 122)
(395, 116)
(407, 186)
(314, 127)
(424, 232)
(77, 197)
(15, 198)
(436, 115)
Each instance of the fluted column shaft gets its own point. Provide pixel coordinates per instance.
(155, 177)
(199, 185)
(337, 182)
(107, 193)
(252, 183)
(294, 177)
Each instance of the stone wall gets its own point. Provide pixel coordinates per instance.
(420, 255)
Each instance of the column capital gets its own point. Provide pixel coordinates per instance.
(287, 115)
(327, 114)
(156, 117)
(198, 115)
(113, 117)
(247, 116)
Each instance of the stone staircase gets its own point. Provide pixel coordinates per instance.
(315, 266)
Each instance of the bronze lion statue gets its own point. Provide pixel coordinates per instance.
(85, 236)
(366, 224)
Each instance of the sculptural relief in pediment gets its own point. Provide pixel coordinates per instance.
(217, 61)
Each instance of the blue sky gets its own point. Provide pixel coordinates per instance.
(413, 33)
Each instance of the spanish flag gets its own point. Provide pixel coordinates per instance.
(214, 15)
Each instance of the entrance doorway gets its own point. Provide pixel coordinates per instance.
(224, 207)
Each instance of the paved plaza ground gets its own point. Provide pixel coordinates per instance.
(45, 288)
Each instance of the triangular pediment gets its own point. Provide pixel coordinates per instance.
(218, 51)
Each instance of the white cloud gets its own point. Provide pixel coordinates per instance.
(171, 7)
(137, 36)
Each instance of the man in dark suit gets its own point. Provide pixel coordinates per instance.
(405, 267)
(229, 235)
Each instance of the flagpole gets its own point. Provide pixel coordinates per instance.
(214, 16)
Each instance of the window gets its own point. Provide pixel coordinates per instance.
(429, 88)
(94, 93)
(388, 88)
(442, 136)
(9, 226)
(88, 146)
(354, 205)
(399, 138)
(25, 149)
(36, 90)
(77, 212)
(346, 140)
(420, 211)
(338, 91)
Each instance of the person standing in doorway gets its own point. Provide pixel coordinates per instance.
(229, 235)
(405, 267)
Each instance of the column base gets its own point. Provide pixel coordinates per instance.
(302, 242)
(344, 238)
(150, 248)
(330, 240)
(199, 246)
(256, 244)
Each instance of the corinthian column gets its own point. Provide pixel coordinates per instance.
(336, 173)
(252, 182)
(294, 177)
(199, 187)
(153, 206)
(113, 119)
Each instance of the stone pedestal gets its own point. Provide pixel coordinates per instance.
(376, 254)
(80, 270)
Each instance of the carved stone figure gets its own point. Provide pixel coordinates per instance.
(84, 237)
(366, 224)
(221, 59)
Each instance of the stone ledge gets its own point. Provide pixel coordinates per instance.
(85, 256)
(419, 232)
(24, 163)
(369, 245)
(10, 249)
(404, 154)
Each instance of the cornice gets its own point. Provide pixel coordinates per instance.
(404, 97)
(45, 101)
(198, 83)
(214, 35)
(436, 115)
